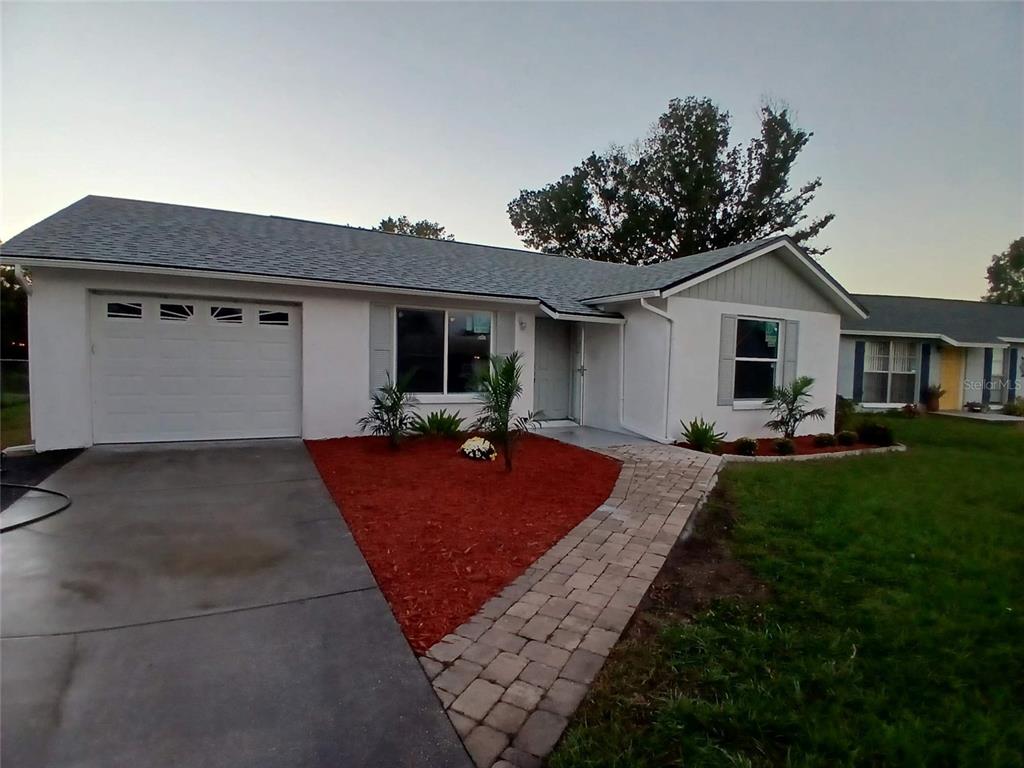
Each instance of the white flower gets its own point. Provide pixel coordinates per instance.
(478, 448)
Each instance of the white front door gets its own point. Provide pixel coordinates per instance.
(194, 369)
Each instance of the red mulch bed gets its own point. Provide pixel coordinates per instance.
(443, 533)
(804, 446)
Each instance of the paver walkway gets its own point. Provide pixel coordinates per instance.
(511, 676)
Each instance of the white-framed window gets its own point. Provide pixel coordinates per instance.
(273, 317)
(890, 372)
(124, 310)
(227, 315)
(758, 363)
(177, 313)
(441, 351)
(997, 381)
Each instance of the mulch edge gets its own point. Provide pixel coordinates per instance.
(898, 448)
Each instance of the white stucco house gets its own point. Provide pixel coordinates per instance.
(973, 350)
(156, 322)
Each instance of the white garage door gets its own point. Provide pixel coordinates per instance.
(194, 369)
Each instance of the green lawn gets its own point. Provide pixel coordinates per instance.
(14, 424)
(892, 634)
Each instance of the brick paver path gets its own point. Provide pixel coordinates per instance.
(511, 676)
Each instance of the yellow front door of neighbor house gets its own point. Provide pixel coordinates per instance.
(951, 378)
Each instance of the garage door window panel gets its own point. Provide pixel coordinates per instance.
(124, 310)
(227, 315)
(273, 317)
(177, 313)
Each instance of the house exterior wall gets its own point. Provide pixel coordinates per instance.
(695, 354)
(335, 352)
(974, 375)
(645, 360)
(601, 379)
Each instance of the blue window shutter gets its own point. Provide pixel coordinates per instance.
(858, 371)
(727, 360)
(382, 334)
(926, 362)
(1011, 383)
(986, 395)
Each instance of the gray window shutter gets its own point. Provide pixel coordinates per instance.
(504, 333)
(727, 360)
(382, 320)
(790, 343)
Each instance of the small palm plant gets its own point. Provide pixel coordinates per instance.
(701, 436)
(788, 405)
(391, 413)
(498, 388)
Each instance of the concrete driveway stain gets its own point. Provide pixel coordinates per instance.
(204, 604)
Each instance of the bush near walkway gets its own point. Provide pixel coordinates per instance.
(887, 632)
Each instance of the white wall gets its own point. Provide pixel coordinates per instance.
(335, 355)
(601, 380)
(694, 380)
(974, 374)
(645, 339)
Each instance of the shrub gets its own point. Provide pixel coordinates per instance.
(825, 440)
(498, 388)
(974, 406)
(439, 423)
(846, 437)
(932, 395)
(875, 433)
(909, 411)
(391, 413)
(788, 406)
(1015, 407)
(746, 446)
(701, 435)
(845, 410)
(784, 447)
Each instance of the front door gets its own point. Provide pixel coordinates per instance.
(553, 369)
(951, 378)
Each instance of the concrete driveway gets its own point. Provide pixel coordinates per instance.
(204, 604)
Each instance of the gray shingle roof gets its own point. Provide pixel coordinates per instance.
(971, 322)
(131, 232)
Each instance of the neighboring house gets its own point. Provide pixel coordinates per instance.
(972, 349)
(152, 322)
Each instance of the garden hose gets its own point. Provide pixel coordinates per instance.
(23, 523)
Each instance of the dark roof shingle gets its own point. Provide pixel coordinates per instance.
(969, 322)
(132, 232)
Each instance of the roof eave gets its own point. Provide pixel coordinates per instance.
(146, 269)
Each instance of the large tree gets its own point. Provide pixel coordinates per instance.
(681, 190)
(1006, 275)
(423, 228)
(13, 316)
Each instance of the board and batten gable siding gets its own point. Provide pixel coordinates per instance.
(696, 387)
(766, 281)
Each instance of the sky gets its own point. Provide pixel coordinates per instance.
(348, 113)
